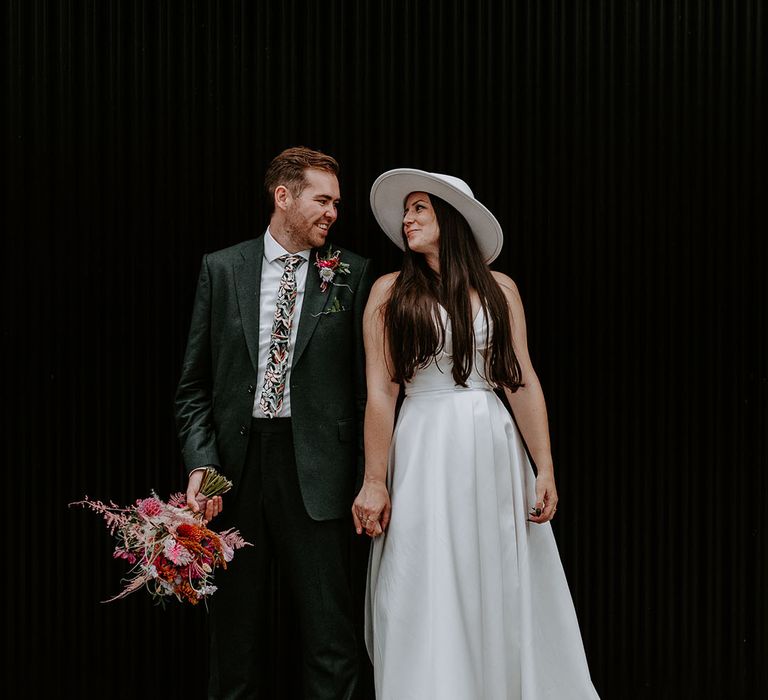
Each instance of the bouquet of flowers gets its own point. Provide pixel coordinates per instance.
(171, 551)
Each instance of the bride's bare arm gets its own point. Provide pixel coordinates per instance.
(529, 407)
(371, 509)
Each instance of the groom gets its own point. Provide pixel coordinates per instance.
(272, 394)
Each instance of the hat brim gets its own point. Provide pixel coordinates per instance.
(388, 195)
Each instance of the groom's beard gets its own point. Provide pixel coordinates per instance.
(305, 233)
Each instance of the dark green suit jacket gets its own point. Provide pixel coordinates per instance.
(214, 399)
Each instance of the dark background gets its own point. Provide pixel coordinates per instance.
(622, 147)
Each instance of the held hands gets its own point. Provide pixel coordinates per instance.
(372, 508)
(546, 499)
(197, 502)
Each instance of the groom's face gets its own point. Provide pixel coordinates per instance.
(310, 216)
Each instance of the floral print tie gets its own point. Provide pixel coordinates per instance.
(271, 400)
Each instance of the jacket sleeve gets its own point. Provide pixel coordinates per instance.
(194, 396)
(361, 297)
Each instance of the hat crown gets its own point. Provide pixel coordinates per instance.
(456, 182)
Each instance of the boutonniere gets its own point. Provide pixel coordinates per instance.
(330, 265)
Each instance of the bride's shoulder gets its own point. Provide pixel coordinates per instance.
(379, 296)
(510, 291)
(506, 283)
(382, 287)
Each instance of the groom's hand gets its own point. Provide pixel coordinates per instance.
(197, 502)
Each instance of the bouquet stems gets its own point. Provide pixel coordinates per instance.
(214, 484)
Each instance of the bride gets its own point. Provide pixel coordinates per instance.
(466, 595)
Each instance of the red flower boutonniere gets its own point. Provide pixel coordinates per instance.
(329, 265)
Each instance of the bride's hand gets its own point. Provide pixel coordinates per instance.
(372, 508)
(546, 499)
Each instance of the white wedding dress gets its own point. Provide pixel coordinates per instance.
(466, 599)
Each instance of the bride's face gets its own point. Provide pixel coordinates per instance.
(420, 224)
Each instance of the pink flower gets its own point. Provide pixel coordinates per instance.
(176, 553)
(122, 554)
(227, 550)
(151, 507)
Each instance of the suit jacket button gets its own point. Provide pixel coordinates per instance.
(243, 430)
(251, 388)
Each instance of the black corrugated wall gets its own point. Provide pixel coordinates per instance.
(622, 146)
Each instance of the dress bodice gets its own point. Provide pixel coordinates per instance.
(436, 376)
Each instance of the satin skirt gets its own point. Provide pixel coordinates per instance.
(466, 599)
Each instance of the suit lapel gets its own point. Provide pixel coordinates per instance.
(248, 288)
(311, 309)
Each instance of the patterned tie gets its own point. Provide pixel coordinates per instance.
(271, 400)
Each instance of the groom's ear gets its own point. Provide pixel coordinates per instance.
(283, 197)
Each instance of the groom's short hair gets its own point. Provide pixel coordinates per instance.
(288, 168)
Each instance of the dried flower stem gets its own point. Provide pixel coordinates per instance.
(214, 484)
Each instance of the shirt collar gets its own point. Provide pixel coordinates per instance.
(273, 250)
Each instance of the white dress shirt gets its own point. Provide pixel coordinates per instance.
(271, 272)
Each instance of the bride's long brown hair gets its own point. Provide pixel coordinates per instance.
(412, 318)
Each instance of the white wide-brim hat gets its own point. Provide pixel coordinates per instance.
(390, 189)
